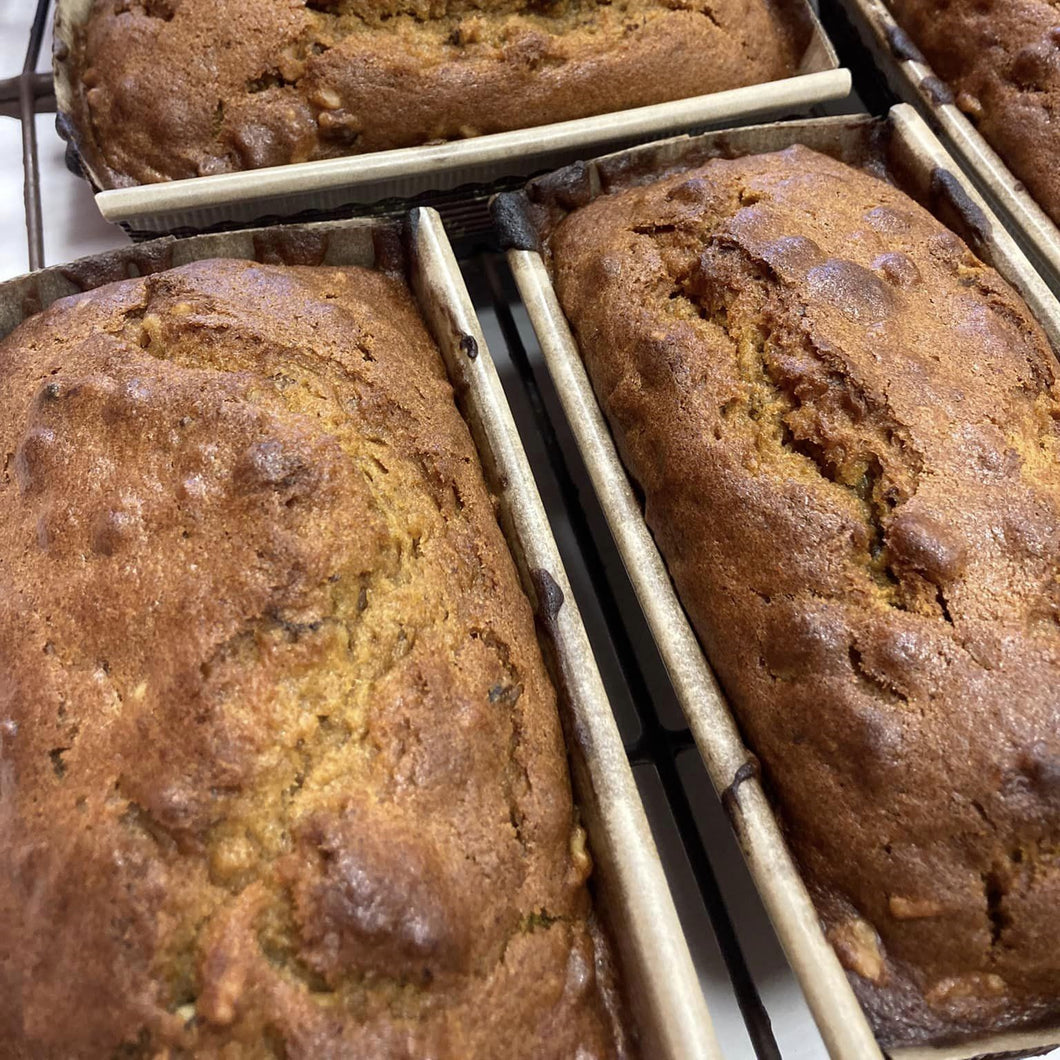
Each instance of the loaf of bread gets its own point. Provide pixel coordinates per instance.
(1001, 58)
(847, 431)
(183, 88)
(281, 769)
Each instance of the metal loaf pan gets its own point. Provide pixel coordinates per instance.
(910, 77)
(915, 161)
(444, 175)
(660, 984)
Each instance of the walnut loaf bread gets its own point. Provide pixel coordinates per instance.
(183, 88)
(282, 773)
(1002, 60)
(846, 430)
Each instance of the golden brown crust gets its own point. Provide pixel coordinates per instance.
(281, 766)
(182, 88)
(846, 430)
(1001, 58)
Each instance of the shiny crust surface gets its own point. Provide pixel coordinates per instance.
(846, 430)
(281, 769)
(1001, 58)
(184, 88)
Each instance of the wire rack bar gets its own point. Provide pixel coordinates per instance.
(31, 88)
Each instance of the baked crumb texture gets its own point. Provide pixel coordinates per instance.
(183, 88)
(846, 430)
(281, 771)
(1001, 59)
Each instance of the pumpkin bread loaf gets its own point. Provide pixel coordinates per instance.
(1001, 59)
(183, 88)
(281, 769)
(847, 432)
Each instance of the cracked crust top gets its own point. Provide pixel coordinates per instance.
(281, 772)
(185, 88)
(847, 431)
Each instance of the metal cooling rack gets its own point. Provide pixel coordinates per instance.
(744, 974)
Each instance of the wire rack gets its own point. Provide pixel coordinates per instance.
(23, 96)
(659, 745)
